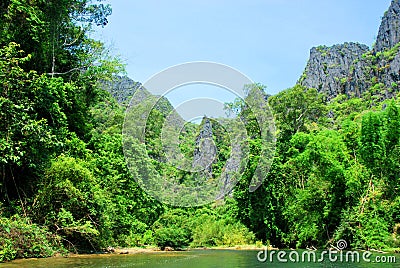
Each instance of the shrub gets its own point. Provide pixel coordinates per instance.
(211, 231)
(21, 239)
(71, 202)
(171, 237)
(172, 229)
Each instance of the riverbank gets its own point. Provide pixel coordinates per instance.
(190, 258)
(148, 250)
(144, 254)
(153, 249)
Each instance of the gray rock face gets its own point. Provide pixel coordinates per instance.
(387, 51)
(122, 88)
(353, 68)
(329, 68)
(388, 74)
(205, 151)
(389, 31)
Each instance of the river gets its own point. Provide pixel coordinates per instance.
(187, 259)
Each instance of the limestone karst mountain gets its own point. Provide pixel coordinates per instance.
(349, 68)
(353, 68)
(123, 88)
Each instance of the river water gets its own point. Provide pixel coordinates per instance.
(189, 259)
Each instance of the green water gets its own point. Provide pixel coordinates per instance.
(187, 259)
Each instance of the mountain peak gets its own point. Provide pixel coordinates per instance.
(328, 68)
(354, 69)
(389, 30)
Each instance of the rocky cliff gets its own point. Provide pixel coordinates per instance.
(353, 68)
(389, 32)
(205, 150)
(213, 132)
(329, 68)
(122, 88)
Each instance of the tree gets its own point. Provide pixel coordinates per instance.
(372, 147)
(392, 146)
(54, 32)
(316, 168)
(71, 202)
(50, 71)
(33, 122)
(296, 108)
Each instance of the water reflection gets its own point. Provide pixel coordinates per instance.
(191, 259)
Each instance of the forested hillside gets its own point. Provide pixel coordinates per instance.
(66, 187)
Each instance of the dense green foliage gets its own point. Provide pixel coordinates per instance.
(20, 239)
(65, 184)
(333, 177)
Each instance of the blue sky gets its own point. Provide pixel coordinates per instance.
(267, 40)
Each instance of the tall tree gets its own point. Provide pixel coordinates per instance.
(372, 142)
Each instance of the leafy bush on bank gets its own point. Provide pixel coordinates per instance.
(21, 239)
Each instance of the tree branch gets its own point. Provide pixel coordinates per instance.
(67, 72)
